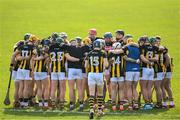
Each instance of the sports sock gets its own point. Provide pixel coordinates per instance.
(21, 101)
(26, 102)
(91, 102)
(40, 103)
(46, 103)
(100, 102)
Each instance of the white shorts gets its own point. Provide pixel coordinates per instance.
(74, 74)
(148, 74)
(14, 75)
(132, 76)
(168, 75)
(95, 78)
(23, 74)
(40, 75)
(58, 76)
(160, 76)
(117, 79)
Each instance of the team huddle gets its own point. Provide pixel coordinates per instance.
(93, 66)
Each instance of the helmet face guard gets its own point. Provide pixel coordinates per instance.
(120, 32)
(59, 40)
(27, 36)
(97, 44)
(117, 45)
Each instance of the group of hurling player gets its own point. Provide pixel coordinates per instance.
(98, 72)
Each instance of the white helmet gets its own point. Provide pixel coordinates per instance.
(116, 45)
(63, 35)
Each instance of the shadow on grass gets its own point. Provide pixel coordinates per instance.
(53, 113)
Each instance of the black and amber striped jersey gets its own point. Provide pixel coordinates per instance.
(116, 65)
(159, 65)
(148, 51)
(25, 51)
(85, 51)
(57, 57)
(170, 66)
(96, 60)
(40, 65)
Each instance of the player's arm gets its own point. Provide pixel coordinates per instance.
(13, 57)
(70, 58)
(39, 58)
(168, 59)
(145, 60)
(117, 51)
(32, 62)
(154, 59)
(49, 66)
(132, 44)
(131, 59)
(47, 63)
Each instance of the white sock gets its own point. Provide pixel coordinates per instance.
(40, 104)
(171, 102)
(164, 103)
(46, 104)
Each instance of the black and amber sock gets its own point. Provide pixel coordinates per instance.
(61, 104)
(100, 101)
(91, 101)
(20, 99)
(171, 99)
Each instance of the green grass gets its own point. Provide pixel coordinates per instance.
(42, 17)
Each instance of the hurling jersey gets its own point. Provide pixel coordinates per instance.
(57, 57)
(25, 51)
(76, 52)
(134, 53)
(85, 50)
(96, 59)
(159, 65)
(117, 65)
(40, 65)
(148, 51)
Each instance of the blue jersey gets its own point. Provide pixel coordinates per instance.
(134, 53)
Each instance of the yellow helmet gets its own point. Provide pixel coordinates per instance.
(87, 41)
(33, 38)
(130, 40)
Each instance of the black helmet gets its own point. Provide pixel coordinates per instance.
(97, 44)
(121, 32)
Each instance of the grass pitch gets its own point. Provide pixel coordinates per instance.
(42, 17)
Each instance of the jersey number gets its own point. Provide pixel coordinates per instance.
(59, 56)
(150, 54)
(117, 61)
(94, 60)
(24, 53)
